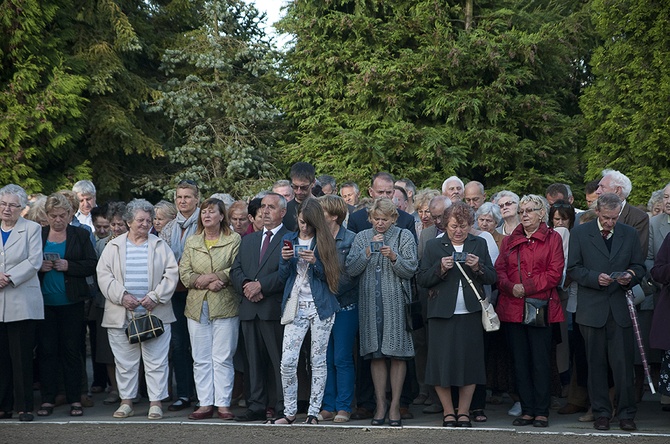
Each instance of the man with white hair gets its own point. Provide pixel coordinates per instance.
(615, 182)
(453, 188)
(85, 191)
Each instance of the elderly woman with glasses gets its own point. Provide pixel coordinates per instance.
(137, 272)
(508, 202)
(530, 265)
(21, 303)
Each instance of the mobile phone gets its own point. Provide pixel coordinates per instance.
(298, 248)
(376, 246)
(460, 256)
(288, 243)
(616, 275)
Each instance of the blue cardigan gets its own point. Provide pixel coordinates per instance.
(325, 301)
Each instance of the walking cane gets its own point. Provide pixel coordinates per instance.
(636, 329)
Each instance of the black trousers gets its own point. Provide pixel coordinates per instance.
(17, 341)
(59, 346)
(531, 356)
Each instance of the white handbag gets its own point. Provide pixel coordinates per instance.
(490, 320)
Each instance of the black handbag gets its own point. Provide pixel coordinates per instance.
(144, 327)
(413, 317)
(535, 312)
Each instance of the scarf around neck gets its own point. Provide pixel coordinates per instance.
(177, 239)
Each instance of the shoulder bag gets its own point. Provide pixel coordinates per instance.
(490, 320)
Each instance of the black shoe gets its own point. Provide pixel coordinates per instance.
(6, 415)
(520, 421)
(448, 422)
(250, 415)
(602, 423)
(179, 404)
(627, 425)
(466, 423)
(26, 416)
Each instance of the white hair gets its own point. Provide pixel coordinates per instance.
(84, 187)
(619, 180)
(451, 179)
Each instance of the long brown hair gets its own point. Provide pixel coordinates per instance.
(312, 214)
(219, 205)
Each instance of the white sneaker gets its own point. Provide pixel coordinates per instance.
(515, 410)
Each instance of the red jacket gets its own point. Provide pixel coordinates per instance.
(540, 259)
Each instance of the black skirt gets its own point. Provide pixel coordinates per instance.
(456, 351)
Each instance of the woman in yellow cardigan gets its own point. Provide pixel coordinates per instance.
(211, 308)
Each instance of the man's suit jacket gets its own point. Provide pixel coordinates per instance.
(21, 259)
(639, 220)
(588, 256)
(246, 268)
(290, 220)
(358, 222)
(427, 234)
(659, 227)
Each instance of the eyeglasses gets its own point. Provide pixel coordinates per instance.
(11, 206)
(528, 210)
(301, 187)
(507, 204)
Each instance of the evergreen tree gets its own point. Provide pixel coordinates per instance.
(41, 101)
(427, 89)
(217, 95)
(626, 108)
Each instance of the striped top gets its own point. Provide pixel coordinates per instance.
(136, 279)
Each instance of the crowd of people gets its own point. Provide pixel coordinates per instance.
(308, 298)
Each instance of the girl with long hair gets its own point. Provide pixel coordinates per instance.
(311, 269)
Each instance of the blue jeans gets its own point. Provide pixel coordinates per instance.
(180, 346)
(341, 378)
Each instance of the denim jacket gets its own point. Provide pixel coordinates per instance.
(347, 293)
(325, 301)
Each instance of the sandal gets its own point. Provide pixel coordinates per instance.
(325, 415)
(460, 423)
(76, 410)
(45, 410)
(311, 419)
(342, 416)
(449, 422)
(155, 412)
(276, 420)
(479, 415)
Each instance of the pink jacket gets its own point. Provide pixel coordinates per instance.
(537, 263)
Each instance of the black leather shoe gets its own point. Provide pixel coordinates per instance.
(179, 404)
(627, 425)
(602, 423)
(250, 415)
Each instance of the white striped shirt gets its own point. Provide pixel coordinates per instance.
(136, 279)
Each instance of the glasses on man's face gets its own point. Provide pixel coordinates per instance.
(528, 210)
(507, 204)
(301, 187)
(11, 206)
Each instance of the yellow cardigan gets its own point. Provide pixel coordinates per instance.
(198, 260)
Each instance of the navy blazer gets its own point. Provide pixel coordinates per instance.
(588, 257)
(246, 268)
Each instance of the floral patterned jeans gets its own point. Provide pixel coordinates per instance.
(664, 383)
(294, 334)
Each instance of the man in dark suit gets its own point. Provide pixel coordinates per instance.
(382, 186)
(255, 277)
(598, 249)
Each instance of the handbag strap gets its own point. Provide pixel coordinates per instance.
(472, 284)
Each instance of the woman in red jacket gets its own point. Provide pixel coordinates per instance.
(530, 265)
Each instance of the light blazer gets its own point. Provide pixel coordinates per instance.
(427, 234)
(246, 268)
(21, 259)
(163, 277)
(588, 257)
(659, 227)
(442, 303)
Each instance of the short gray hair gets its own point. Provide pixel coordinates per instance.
(489, 208)
(226, 198)
(84, 187)
(136, 205)
(168, 208)
(537, 200)
(326, 179)
(506, 193)
(656, 197)
(608, 201)
(15, 190)
(282, 199)
(619, 180)
(350, 185)
(450, 179)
